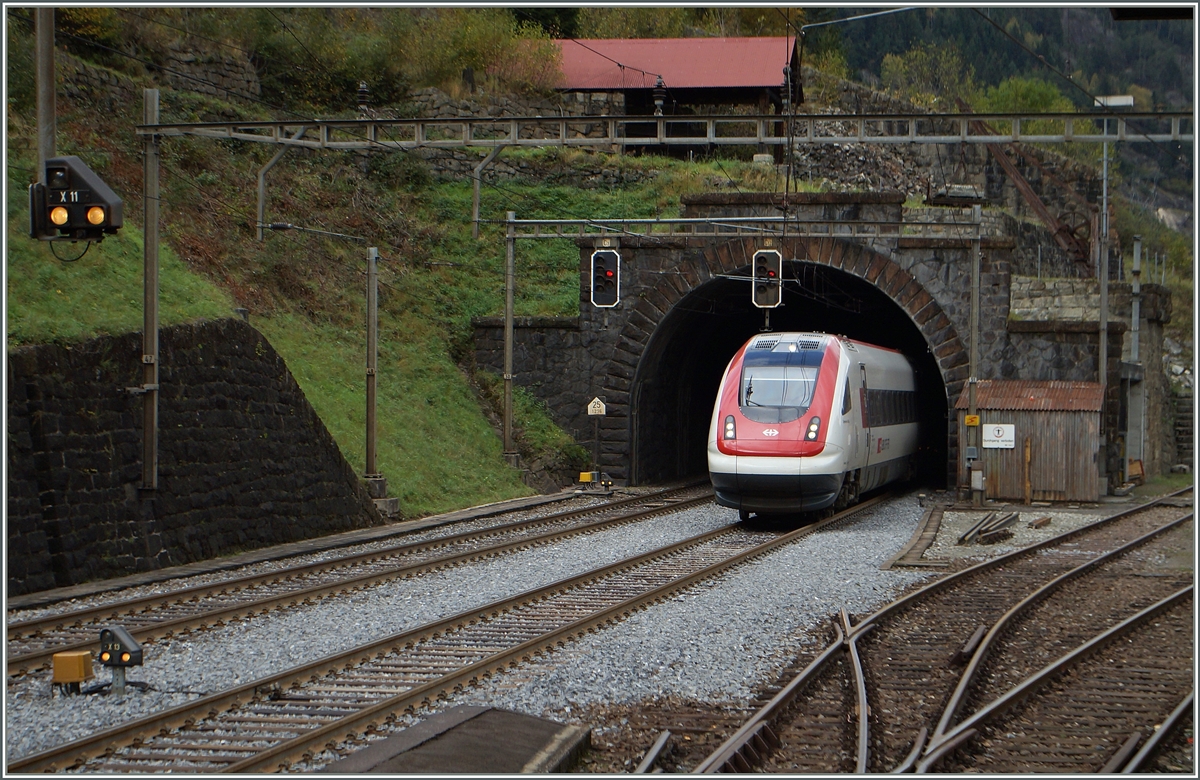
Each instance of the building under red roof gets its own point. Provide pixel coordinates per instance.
(694, 70)
(1045, 439)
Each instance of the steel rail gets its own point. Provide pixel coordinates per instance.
(1164, 729)
(1001, 560)
(653, 753)
(78, 752)
(958, 698)
(860, 688)
(106, 741)
(281, 753)
(738, 753)
(730, 756)
(24, 662)
(1035, 681)
(910, 760)
(93, 612)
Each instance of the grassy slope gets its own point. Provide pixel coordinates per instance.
(305, 292)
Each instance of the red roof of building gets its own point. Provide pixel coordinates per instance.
(635, 63)
(1045, 396)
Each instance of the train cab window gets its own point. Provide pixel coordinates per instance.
(846, 404)
(778, 386)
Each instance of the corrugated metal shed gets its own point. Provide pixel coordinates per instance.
(683, 63)
(1056, 436)
(1056, 396)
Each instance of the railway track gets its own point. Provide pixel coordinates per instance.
(912, 650)
(31, 644)
(1085, 711)
(265, 725)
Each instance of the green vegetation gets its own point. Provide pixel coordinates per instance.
(437, 451)
(305, 290)
(100, 293)
(1175, 266)
(1167, 483)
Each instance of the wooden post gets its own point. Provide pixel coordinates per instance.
(1028, 484)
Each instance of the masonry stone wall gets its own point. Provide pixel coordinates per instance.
(222, 74)
(97, 85)
(926, 276)
(1055, 321)
(244, 461)
(1070, 190)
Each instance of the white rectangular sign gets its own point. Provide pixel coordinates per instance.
(998, 437)
(596, 407)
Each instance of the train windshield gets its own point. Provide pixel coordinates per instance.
(778, 385)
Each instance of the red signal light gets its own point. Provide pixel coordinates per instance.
(609, 274)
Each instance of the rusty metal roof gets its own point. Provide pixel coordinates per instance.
(635, 63)
(1045, 396)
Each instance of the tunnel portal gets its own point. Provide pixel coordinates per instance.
(675, 386)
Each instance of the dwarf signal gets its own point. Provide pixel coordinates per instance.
(74, 204)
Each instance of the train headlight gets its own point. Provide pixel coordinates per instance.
(813, 428)
(730, 428)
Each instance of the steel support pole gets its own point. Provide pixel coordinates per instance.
(150, 200)
(1103, 269)
(1135, 348)
(509, 281)
(973, 431)
(46, 117)
(372, 352)
(1103, 361)
(262, 182)
(477, 178)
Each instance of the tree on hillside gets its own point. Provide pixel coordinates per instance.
(724, 22)
(633, 22)
(518, 56)
(1034, 95)
(555, 22)
(930, 75)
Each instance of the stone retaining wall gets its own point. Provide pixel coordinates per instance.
(244, 461)
(221, 74)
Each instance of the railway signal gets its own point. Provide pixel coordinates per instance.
(767, 284)
(606, 278)
(118, 651)
(119, 648)
(74, 204)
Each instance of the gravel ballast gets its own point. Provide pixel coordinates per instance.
(718, 641)
(185, 668)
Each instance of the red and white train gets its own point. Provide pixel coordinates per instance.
(807, 421)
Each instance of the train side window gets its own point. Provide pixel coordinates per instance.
(846, 404)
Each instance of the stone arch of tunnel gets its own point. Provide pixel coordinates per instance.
(829, 286)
